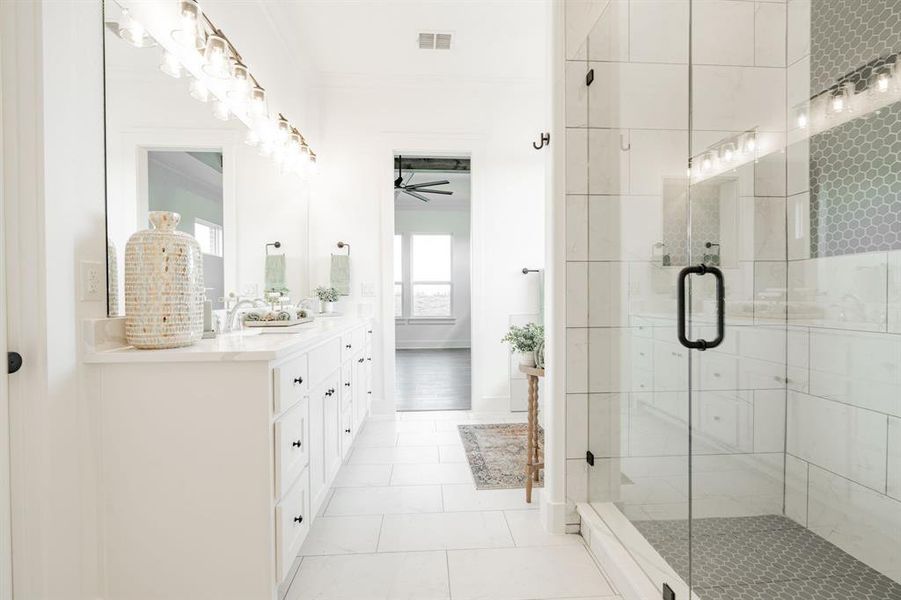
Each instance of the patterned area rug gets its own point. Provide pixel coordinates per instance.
(497, 454)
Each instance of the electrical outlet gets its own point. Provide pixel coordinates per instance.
(93, 281)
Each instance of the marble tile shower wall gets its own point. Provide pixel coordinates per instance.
(843, 453)
(627, 147)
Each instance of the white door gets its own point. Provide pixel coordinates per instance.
(5, 525)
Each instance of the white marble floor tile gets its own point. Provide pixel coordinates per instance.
(363, 476)
(524, 574)
(431, 474)
(467, 498)
(444, 531)
(375, 439)
(451, 454)
(385, 500)
(398, 426)
(394, 455)
(439, 438)
(394, 576)
(343, 535)
(527, 530)
(435, 415)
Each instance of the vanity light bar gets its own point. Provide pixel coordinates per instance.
(204, 52)
(726, 155)
(863, 91)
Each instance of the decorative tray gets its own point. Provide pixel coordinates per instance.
(277, 323)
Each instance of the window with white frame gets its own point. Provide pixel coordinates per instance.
(209, 236)
(423, 268)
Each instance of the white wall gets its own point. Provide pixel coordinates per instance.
(367, 122)
(409, 333)
(53, 168)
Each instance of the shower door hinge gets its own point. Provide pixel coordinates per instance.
(589, 458)
(668, 593)
(589, 77)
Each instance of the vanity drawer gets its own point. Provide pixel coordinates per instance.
(324, 360)
(292, 524)
(292, 447)
(351, 343)
(291, 383)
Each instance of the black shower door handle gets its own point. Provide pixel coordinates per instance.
(702, 269)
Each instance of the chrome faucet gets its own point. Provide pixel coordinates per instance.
(233, 311)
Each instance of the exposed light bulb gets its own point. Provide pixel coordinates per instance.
(838, 103)
(186, 34)
(170, 65)
(258, 102)
(802, 120)
(199, 90)
(282, 130)
(215, 57)
(220, 110)
(133, 32)
(882, 82)
(240, 84)
(706, 163)
(750, 144)
(728, 152)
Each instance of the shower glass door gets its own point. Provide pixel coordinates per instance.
(762, 140)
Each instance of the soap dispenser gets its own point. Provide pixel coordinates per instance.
(209, 331)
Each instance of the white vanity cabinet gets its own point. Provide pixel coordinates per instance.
(213, 460)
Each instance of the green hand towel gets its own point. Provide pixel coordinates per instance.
(275, 272)
(341, 273)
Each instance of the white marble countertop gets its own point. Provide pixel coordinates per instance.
(246, 345)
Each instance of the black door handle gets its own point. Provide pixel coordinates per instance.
(13, 362)
(720, 307)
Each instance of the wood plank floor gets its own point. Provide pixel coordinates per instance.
(433, 379)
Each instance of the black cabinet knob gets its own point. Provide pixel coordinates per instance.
(370, 331)
(296, 444)
(298, 519)
(369, 359)
(298, 380)
(347, 431)
(347, 384)
(347, 346)
(370, 393)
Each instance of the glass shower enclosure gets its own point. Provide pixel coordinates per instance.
(734, 291)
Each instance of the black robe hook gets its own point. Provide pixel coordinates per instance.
(544, 141)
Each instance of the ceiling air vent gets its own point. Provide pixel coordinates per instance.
(434, 41)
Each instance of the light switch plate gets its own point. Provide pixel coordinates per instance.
(93, 281)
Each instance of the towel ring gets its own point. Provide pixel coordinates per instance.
(343, 245)
(274, 244)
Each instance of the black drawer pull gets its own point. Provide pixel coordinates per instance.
(369, 359)
(298, 380)
(347, 431)
(296, 444)
(298, 519)
(347, 384)
(347, 346)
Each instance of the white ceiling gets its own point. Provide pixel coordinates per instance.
(492, 39)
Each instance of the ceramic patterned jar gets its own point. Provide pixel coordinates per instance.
(163, 286)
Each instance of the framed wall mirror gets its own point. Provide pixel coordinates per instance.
(171, 147)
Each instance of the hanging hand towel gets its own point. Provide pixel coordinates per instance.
(275, 272)
(341, 273)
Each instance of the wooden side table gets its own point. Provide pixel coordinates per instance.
(533, 464)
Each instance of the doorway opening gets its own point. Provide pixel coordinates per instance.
(432, 283)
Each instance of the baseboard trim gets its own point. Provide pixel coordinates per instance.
(553, 515)
(432, 345)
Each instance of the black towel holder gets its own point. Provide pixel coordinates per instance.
(274, 244)
(344, 245)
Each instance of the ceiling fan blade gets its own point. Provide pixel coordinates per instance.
(416, 195)
(422, 191)
(426, 184)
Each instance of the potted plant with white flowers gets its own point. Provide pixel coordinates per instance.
(328, 296)
(523, 341)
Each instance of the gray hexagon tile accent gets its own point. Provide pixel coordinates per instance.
(768, 557)
(855, 168)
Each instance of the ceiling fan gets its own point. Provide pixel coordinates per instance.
(416, 189)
